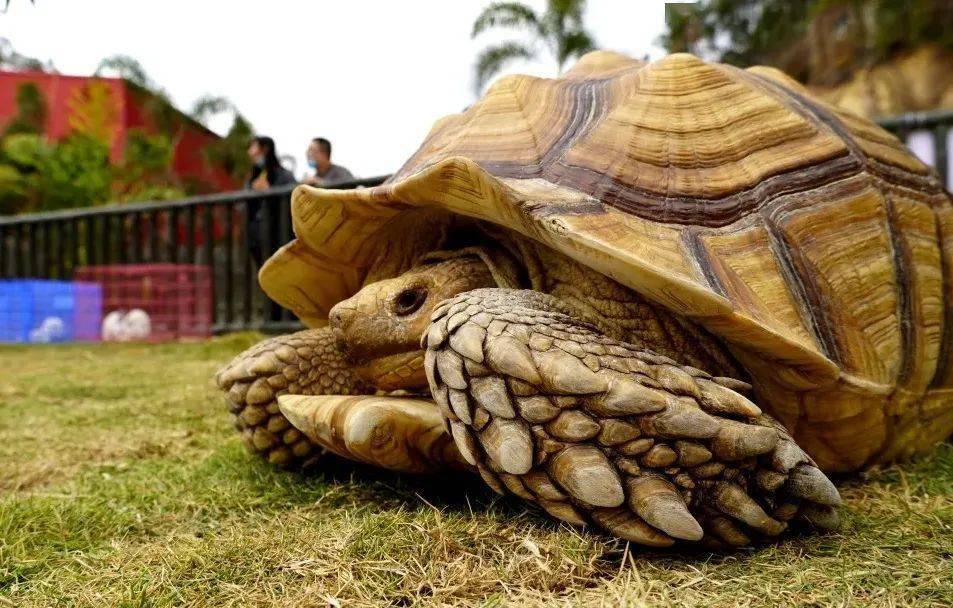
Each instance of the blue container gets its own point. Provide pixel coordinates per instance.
(16, 311)
(49, 311)
(88, 311)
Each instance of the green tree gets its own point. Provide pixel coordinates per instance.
(146, 170)
(31, 111)
(74, 172)
(230, 152)
(13, 190)
(77, 173)
(559, 29)
(817, 41)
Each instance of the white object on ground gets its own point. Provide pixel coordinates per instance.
(112, 325)
(122, 326)
(51, 329)
(137, 325)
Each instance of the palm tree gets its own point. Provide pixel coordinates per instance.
(207, 106)
(127, 68)
(559, 28)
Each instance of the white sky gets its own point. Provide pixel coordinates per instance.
(371, 76)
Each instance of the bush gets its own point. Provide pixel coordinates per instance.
(39, 176)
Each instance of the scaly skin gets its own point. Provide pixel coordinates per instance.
(311, 362)
(303, 363)
(597, 431)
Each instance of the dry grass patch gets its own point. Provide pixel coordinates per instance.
(124, 485)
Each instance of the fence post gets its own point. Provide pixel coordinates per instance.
(173, 233)
(229, 254)
(18, 243)
(245, 263)
(208, 215)
(61, 251)
(135, 236)
(190, 234)
(154, 237)
(941, 153)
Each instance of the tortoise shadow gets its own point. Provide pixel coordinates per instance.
(451, 491)
(464, 493)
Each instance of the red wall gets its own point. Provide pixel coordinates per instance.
(190, 137)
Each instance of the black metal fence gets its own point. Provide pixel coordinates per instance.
(224, 231)
(216, 230)
(928, 135)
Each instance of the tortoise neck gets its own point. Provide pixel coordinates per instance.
(619, 311)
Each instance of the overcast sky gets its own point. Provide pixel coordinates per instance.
(371, 76)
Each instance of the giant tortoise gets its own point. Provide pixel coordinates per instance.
(659, 298)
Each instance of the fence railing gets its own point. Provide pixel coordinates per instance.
(928, 135)
(231, 232)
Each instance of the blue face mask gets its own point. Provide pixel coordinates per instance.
(260, 161)
(312, 163)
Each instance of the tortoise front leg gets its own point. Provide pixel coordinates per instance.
(598, 431)
(303, 363)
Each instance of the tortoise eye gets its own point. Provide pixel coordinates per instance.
(410, 300)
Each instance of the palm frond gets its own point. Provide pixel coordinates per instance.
(505, 14)
(574, 44)
(211, 105)
(6, 5)
(492, 59)
(561, 19)
(126, 67)
(571, 11)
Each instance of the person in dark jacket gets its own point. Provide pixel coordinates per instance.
(266, 172)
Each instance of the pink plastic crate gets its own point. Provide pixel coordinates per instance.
(177, 297)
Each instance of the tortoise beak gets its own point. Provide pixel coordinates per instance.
(386, 371)
(341, 316)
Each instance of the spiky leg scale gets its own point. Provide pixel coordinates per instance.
(597, 431)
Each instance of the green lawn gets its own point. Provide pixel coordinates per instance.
(122, 483)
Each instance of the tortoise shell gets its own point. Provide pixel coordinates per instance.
(808, 238)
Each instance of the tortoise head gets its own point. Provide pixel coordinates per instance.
(380, 327)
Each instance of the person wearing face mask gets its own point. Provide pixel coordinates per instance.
(325, 172)
(266, 172)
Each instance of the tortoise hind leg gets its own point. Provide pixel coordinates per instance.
(303, 363)
(396, 433)
(597, 431)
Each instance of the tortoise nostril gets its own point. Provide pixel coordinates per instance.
(338, 317)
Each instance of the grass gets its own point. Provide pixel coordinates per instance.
(123, 484)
